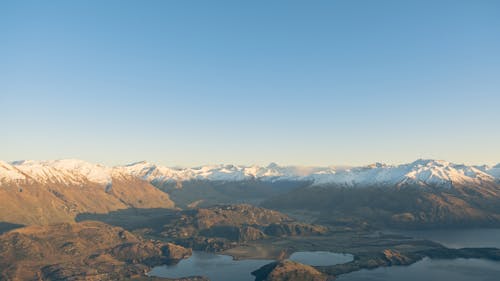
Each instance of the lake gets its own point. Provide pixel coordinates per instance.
(320, 258)
(225, 268)
(430, 270)
(459, 238)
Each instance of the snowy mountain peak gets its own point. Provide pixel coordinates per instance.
(273, 165)
(424, 172)
(67, 171)
(430, 162)
(9, 173)
(493, 171)
(143, 162)
(377, 165)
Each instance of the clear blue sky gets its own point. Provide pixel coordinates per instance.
(250, 82)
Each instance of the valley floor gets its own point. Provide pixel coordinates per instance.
(371, 249)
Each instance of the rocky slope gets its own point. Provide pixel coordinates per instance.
(221, 227)
(410, 206)
(425, 193)
(369, 259)
(424, 172)
(81, 251)
(491, 170)
(57, 191)
(287, 271)
(422, 192)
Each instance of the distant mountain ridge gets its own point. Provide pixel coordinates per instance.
(43, 192)
(425, 172)
(429, 192)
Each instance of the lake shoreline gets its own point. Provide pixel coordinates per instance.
(369, 251)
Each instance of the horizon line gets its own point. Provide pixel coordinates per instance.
(19, 162)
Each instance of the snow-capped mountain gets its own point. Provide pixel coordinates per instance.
(39, 192)
(420, 172)
(493, 171)
(67, 171)
(160, 174)
(42, 192)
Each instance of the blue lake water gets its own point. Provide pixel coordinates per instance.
(430, 270)
(320, 258)
(460, 238)
(215, 267)
(225, 268)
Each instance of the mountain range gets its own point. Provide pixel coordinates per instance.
(423, 172)
(423, 191)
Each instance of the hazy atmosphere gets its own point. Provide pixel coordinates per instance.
(294, 82)
(276, 140)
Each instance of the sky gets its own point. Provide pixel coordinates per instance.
(185, 83)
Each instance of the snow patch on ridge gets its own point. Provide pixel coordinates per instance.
(424, 172)
(66, 171)
(9, 173)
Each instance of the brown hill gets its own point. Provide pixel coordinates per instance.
(288, 271)
(38, 203)
(223, 226)
(396, 207)
(81, 251)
